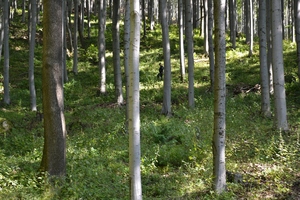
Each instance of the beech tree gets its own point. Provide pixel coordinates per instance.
(278, 71)
(210, 42)
(54, 153)
(181, 40)
(264, 73)
(166, 109)
(190, 49)
(134, 103)
(218, 146)
(6, 52)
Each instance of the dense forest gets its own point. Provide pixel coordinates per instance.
(155, 99)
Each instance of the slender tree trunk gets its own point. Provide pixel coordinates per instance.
(211, 43)
(101, 45)
(31, 56)
(6, 53)
(116, 53)
(65, 22)
(75, 40)
(206, 45)
(297, 32)
(232, 22)
(54, 154)
(219, 98)
(181, 40)
(251, 28)
(278, 71)
(190, 49)
(166, 109)
(264, 73)
(126, 54)
(269, 44)
(134, 103)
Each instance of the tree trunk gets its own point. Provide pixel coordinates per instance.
(264, 73)
(6, 53)
(32, 29)
(190, 50)
(219, 98)
(297, 32)
(232, 22)
(206, 46)
(278, 71)
(166, 109)
(134, 103)
(181, 40)
(251, 28)
(101, 46)
(126, 54)
(54, 154)
(116, 53)
(75, 40)
(269, 44)
(211, 42)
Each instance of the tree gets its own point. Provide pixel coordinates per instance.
(278, 71)
(116, 53)
(210, 42)
(31, 55)
(297, 31)
(75, 56)
(6, 52)
(232, 21)
(166, 109)
(126, 53)
(251, 28)
(264, 73)
(190, 49)
(219, 98)
(54, 153)
(101, 45)
(134, 103)
(181, 40)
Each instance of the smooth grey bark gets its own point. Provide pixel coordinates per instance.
(264, 72)
(190, 50)
(206, 45)
(211, 43)
(166, 108)
(126, 54)
(134, 103)
(6, 98)
(65, 22)
(297, 32)
(181, 40)
(232, 22)
(54, 153)
(251, 28)
(151, 14)
(219, 169)
(101, 45)
(116, 53)
(75, 40)
(278, 68)
(32, 29)
(269, 44)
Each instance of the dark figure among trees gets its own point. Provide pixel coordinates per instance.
(161, 71)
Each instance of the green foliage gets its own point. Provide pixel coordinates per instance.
(176, 151)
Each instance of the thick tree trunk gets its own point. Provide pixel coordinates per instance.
(219, 98)
(278, 71)
(134, 103)
(54, 154)
(166, 109)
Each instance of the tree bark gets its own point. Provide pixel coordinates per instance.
(54, 154)
(278, 71)
(6, 53)
(219, 98)
(211, 43)
(101, 46)
(134, 103)
(166, 109)
(297, 32)
(181, 40)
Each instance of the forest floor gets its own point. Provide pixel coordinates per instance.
(262, 163)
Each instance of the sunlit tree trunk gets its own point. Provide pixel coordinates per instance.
(166, 109)
(6, 53)
(251, 28)
(181, 40)
(134, 103)
(31, 55)
(116, 53)
(54, 153)
(206, 43)
(264, 73)
(278, 71)
(219, 170)
(269, 44)
(190, 50)
(101, 45)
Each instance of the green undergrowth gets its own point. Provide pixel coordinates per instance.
(176, 151)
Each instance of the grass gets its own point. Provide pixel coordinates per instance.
(176, 151)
